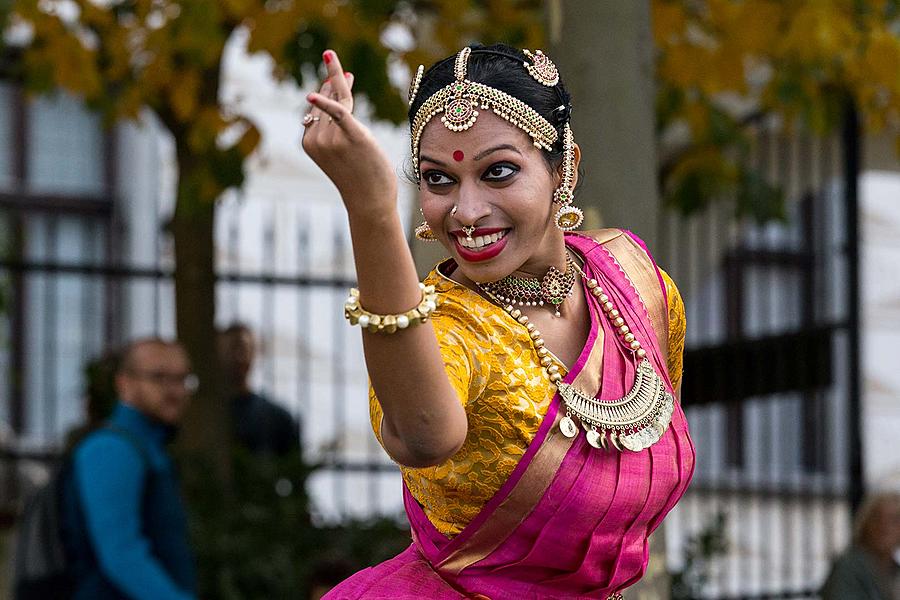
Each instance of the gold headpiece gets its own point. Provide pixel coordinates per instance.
(460, 99)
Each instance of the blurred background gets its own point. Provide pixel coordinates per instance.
(152, 183)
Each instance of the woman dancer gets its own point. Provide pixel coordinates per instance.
(528, 387)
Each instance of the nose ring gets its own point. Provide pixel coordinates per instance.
(468, 230)
(453, 210)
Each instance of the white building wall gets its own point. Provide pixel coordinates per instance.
(880, 222)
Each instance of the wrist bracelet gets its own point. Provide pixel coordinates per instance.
(373, 323)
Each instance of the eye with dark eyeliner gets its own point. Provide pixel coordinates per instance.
(436, 178)
(500, 171)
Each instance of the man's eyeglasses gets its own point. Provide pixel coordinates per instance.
(188, 382)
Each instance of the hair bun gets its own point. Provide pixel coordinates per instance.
(561, 114)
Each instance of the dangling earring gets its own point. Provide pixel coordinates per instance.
(423, 231)
(568, 217)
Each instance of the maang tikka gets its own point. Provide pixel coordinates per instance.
(568, 217)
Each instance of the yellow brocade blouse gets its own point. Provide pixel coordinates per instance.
(495, 371)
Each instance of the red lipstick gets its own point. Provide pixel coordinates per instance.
(488, 253)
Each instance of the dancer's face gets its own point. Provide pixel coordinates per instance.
(500, 183)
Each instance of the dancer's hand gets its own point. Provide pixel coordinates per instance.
(345, 149)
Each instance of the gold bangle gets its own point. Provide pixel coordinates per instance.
(373, 323)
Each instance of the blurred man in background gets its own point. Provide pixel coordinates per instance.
(868, 570)
(258, 424)
(124, 524)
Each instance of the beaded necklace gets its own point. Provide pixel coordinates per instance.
(634, 422)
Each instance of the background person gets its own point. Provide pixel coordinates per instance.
(258, 424)
(124, 525)
(868, 569)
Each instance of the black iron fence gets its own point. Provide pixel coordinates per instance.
(771, 383)
(65, 311)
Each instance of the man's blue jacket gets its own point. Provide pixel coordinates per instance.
(124, 523)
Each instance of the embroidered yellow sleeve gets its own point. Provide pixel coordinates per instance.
(677, 329)
(504, 413)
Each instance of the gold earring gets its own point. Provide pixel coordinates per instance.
(423, 231)
(568, 217)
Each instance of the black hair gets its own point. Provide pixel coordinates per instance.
(501, 67)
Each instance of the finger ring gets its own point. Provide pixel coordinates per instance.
(309, 119)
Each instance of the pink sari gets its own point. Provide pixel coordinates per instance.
(571, 521)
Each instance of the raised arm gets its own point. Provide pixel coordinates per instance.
(424, 421)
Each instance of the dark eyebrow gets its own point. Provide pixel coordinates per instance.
(493, 149)
(423, 158)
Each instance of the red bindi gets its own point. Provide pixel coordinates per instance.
(458, 155)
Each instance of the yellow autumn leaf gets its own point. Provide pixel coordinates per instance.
(271, 30)
(722, 13)
(239, 9)
(95, 15)
(755, 27)
(669, 21)
(184, 91)
(724, 71)
(204, 130)
(249, 139)
(882, 59)
(685, 65)
(708, 160)
(820, 32)
(74, 66)
(116, 55)
(873, 120)
(131, 102)
(697, 117)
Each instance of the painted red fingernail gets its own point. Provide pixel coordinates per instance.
(326, 56)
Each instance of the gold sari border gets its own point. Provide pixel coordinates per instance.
(538, 476)
(640, 269)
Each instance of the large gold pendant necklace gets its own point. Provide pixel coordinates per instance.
(634, 422)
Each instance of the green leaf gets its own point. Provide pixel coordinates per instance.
(669, 101)
(759, 199)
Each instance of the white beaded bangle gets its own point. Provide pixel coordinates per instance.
(373, 323)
